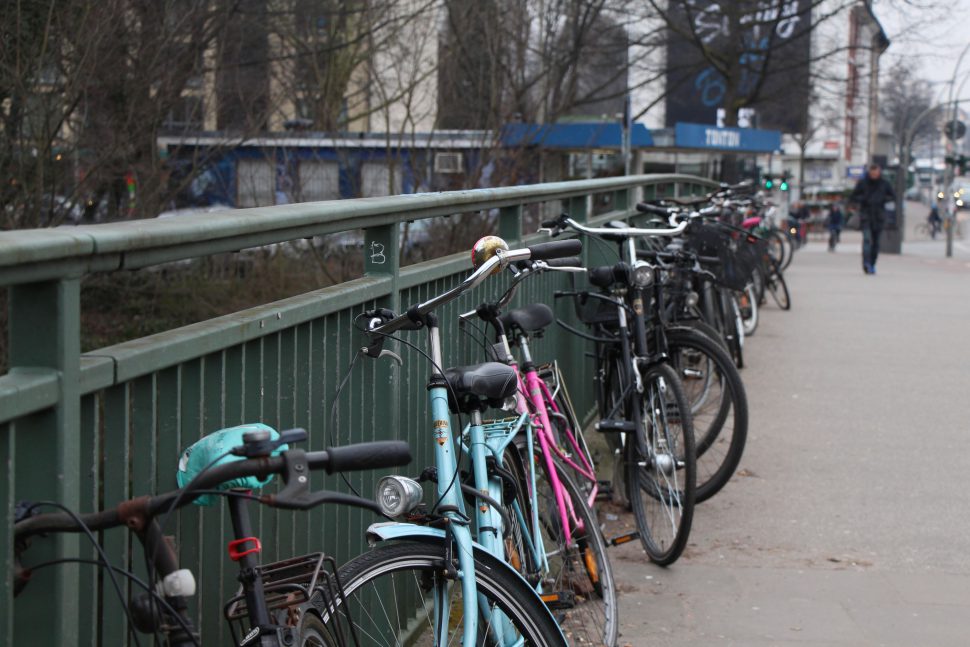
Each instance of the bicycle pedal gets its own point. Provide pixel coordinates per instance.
(623, 539)
(615, 425)
(559, 600)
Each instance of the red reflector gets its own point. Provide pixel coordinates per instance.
(236, 550)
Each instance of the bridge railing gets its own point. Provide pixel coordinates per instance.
(88, 430)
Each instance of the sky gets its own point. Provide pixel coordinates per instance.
(930, 32)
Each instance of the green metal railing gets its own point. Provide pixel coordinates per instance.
(90, 430)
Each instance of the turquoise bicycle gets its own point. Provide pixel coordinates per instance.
(429, 581)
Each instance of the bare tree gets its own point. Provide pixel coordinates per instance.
(908, 105)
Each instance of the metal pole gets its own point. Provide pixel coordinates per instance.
(950, 205)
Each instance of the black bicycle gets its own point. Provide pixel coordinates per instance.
(295, 601)
(643, 408)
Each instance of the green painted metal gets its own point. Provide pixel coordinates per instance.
(110, 424)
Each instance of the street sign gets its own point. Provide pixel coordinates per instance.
(855, 172)
(955, 129)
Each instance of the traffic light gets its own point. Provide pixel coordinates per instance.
(784, 181)
(769, 183)
(959, 162)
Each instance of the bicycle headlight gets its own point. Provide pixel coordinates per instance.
(642, 274)
(398, 495)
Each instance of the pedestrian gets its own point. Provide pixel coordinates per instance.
(836, 220)
(934, 220)
(871, 194)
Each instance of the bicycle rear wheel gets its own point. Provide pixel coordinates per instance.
(662, 467)
(778, 288)
(389, 595)
(580, 575)
(719, 406)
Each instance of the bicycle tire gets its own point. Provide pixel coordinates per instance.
(789, 246)
(581, 568)
(778, 289)
(733, 327)
(776, 246)
(719, 406)
(662, 490)
(748, 302)
(371, 579)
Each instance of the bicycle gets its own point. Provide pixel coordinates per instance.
(577, 567)
(711, 380)
(640, 395)
(281, 603)
(429, 561)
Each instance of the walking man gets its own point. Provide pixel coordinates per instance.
(871, 194)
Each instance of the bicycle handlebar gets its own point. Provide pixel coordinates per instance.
(361, 456)
(501, 259)
(626, 231)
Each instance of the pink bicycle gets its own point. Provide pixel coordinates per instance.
(557, 544)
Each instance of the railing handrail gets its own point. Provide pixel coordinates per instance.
(42, 254)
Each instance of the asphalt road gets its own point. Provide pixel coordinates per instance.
(848, 522)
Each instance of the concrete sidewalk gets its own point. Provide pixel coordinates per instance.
(849, 522)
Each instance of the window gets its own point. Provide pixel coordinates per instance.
(375, 178)
(188, 113)
(255, 183)
(319, 180)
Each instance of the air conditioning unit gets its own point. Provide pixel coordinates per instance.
(448, 163)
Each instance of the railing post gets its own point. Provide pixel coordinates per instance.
(621, 199)
(510, 224)
(44, 333)
(382, 257)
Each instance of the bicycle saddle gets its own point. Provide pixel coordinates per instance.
(530, 318)
(479, 387)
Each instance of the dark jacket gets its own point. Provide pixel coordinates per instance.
(872, 196)
(836, 219)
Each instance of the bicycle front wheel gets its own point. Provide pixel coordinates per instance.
(662, 468)
(389, 596)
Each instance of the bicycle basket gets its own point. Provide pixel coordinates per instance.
(737, 251)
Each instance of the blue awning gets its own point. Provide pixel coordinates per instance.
(574, 136)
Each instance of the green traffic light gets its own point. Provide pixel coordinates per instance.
(784, 186)
(769, 184)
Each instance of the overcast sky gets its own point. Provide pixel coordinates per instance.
(932, 33)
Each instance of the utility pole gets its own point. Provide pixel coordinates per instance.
(948, 177)
(627, 143)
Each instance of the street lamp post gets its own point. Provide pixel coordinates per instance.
(948, 178)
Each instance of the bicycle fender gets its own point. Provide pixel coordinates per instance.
(391, 530)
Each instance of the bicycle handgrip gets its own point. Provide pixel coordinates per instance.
(367, 456)
(569, 261)
(645, 207)
(555, 249)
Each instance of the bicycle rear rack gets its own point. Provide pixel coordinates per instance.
(294, 587)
